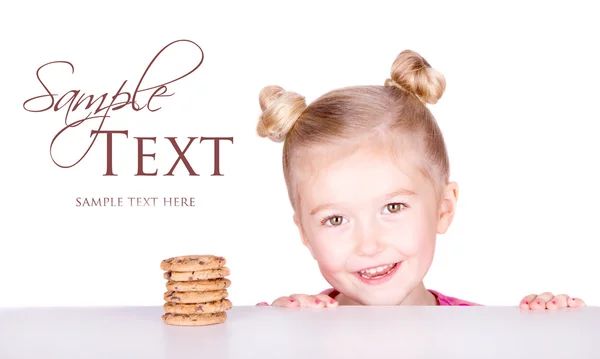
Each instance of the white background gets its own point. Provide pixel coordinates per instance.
(520, 118)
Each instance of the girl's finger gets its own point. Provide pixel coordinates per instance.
(558, 302)
(327, 300)
(539, 303)
(526, 301)
(575, 303)
(308, 301)
(286, 302)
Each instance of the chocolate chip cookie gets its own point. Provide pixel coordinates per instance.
(193, 263)
(199, 285)
(198, 308)
(194, 319)
(197, 275)
(195, 297)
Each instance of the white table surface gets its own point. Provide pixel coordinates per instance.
(269, 332)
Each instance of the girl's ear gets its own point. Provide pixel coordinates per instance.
(447, 207)
(302, 235)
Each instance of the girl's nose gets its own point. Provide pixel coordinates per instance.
(369, 243)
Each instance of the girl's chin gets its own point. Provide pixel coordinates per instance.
(388, 299)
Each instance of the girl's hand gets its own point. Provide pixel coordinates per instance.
(549, 301)
(303, 301)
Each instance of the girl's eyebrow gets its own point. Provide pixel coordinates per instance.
(321, 207)
(400, 192)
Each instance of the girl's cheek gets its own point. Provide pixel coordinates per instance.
(424, 242)
(332, 255)
(422, 233)
(412, 243)
(413, 238)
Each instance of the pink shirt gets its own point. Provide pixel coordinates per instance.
(445, 300)
(442, 299)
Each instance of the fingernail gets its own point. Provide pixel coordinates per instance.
(332, 301)
(317, 301)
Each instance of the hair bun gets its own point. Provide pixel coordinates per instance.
(412, 73)
(281, 109)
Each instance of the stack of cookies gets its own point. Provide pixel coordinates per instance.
(196, 290)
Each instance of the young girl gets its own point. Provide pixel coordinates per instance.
(367, 174)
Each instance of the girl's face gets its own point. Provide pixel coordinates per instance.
(371, 222)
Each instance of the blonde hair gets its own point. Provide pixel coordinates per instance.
(397, 107)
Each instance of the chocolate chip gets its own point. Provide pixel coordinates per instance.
(176, 288)
(190, 278)
(179, 261)
(199, 308)
(175, 299)
(201, 262)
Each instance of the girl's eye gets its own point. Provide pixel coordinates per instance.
(333, 221)
(394, 207)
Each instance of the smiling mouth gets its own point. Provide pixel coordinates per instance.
(377, 272)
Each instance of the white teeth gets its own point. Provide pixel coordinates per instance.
(370, 272)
